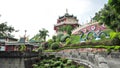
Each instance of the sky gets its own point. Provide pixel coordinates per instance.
(33, 15)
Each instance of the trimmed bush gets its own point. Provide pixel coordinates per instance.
(50, 41)
(51, 56)
(115, 36)
(69, 62)
(57, 63)
(54, 62)
(63, 38)
(55, 45)
(45, 45)
(68, 41)
(64, 60)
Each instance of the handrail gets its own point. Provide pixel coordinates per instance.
(17, 54)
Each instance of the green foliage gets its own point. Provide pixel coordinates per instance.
(68, 41)
(43, 33)
(69, 62)
(45, 45)
(115, 36)
(35, 65)
(22, 48)
(67, 28)
(64, 60)
(50, 41)
(36, 38)
(110, 15)
(54, 38)
(116, 48)
(4, 29)
(57, 63)
(63, 38)
(53, 62)
(40, 49)
(75, 39)
(59, 37)
(55, 45)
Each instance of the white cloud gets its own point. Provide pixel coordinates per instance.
(32, 15)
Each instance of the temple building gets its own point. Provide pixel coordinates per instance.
(66, 19)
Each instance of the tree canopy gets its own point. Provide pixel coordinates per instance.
(41, 36)
(110, 15)
(5, 30)
(43, 33)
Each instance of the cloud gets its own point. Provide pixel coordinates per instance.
(32, 15)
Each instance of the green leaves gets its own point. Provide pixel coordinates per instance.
(110, 15)
(5, 29)
(66, 28)
(113, 35)
(43, 33)
(41, 36)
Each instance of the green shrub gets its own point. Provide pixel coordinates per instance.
(57, 63)
(54, 38)
(22, 47)
(35, 65)
(51, 56)
(63, 38)
(61, 65)
(115, 36)
(58, 58)
(64, 60)
(116, 41)
(68, 41)
(69, 62)
(75, 39)
(59, 35)
(40, 49)
(50, 41)
(45, 45)
(55, 46)
(73, 66)
(46, 65)
(116, 48)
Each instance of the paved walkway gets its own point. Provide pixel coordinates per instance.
(113, 63)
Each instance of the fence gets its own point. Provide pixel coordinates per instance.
(17, 54)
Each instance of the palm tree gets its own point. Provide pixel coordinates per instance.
(66, 28)
(43, 33)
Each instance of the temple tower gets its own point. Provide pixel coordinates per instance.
(66, 19)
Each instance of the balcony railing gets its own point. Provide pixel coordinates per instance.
(17, 54)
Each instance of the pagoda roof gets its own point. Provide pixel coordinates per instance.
(62, 23)
(67, 15)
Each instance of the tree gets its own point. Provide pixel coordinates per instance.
(66, 28)
(43, 33)
(109, 16)
(5, 30)
(36, 38)
(115, 4)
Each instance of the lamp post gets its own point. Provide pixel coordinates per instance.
(25, 36)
